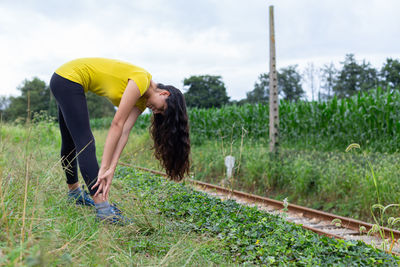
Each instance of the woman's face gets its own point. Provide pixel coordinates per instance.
(158, 102)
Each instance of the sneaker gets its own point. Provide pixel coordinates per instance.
(82, 198)
(112, 215)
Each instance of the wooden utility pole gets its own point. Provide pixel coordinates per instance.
(273, 87)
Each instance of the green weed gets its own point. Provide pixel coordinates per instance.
(380, 218)
(251, 236)
(40, 228)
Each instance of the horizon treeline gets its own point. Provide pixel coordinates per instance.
(207, 91)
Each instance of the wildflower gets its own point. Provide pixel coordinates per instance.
(285, 203)
(257, 242)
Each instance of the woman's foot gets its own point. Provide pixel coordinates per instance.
(80, 197)
(110, 213)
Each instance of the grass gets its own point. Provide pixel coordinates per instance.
(337, 182)
(39, 228)
(252, 237)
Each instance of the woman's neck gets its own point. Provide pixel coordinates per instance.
(151, 90)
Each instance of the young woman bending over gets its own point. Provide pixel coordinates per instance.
(131, 89)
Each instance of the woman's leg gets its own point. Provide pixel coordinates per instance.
(74, 125)
(68, 153)
(71, 100)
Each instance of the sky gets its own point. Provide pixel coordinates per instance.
(175, 39)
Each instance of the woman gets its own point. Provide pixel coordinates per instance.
(131, 89)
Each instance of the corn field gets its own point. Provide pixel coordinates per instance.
(371, 119)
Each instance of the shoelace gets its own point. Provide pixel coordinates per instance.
(115, 210)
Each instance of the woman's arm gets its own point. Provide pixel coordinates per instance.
(120, 146)
(128, 100)
(125, 135)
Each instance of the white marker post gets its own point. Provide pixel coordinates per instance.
(229, 163)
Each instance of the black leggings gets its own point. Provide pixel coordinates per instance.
(77, 140)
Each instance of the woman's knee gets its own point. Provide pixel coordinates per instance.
(86, 144)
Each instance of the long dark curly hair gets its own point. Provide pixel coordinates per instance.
(170, 132)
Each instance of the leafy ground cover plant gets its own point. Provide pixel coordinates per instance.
(336, 182)
(379, 218)
(312, 168)
(38, 227)
(251, 236)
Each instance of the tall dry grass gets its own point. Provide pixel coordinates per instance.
(40, 228)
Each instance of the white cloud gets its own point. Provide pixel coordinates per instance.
(177, 38)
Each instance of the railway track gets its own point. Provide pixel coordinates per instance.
(320, 222)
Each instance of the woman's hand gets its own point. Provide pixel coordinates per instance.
(103, 183)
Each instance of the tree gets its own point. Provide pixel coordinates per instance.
(354, 77)
(328, 80)
(289, 83)
(260, 93)
(390, 73)
(289, 86)
(98, 106)
(310, 77)
(205, 91)
(4, 103)
(39, 99)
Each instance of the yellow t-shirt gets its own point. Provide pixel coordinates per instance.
(106, 77)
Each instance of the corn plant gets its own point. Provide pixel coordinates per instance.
(371, 119)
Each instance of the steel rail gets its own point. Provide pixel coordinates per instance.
(348, 223)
